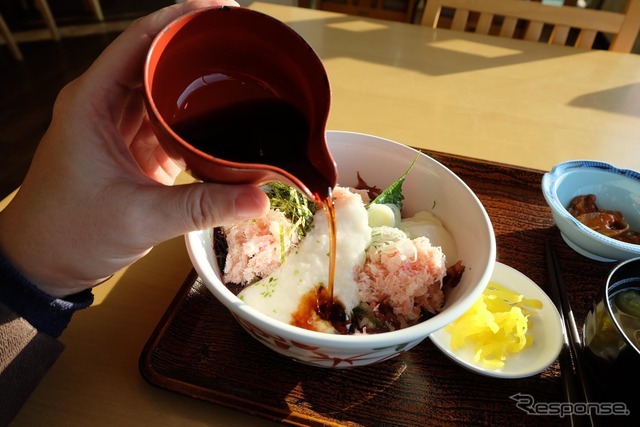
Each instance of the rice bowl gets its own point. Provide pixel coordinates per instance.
(430, 186)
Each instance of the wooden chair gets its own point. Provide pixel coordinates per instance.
(537, 16)
(11, 42)
(398, 10)
(96, 9)
(44, 9)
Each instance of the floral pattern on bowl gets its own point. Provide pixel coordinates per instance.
(313, 355)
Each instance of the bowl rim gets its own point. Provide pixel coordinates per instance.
(608, 302)
(363, 341)
(552, 179)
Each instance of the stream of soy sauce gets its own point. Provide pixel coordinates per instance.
(261, 127)
(327, 307)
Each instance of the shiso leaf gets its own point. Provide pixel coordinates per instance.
(393, 193)
(293, 204)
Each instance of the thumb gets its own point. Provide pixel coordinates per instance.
(184, 208)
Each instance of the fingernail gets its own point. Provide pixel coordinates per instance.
(248, 206)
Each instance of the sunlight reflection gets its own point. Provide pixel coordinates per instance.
(475, 48)
(379, 379)
(357, 26)
(100, 293)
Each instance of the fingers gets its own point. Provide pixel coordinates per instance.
(151, 158)
(185, 208)
(132, 116)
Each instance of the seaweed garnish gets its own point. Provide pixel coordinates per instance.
(220, 247)
(293, 204)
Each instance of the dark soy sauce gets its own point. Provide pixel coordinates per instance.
(321, 300)
(327, 307)
(259, 127)
(254, 125)
(332, 311)
(331, 220)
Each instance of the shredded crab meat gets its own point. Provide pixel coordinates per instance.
(406, 274)
(257, 247)
(393, 276)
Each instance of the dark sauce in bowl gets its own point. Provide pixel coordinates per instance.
(606, 222)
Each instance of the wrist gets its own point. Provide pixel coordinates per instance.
(36, 245)
(45, 312)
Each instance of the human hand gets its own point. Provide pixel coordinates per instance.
(98, 195)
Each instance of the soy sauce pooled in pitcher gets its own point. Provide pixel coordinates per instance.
(252, 125)
(259, 127)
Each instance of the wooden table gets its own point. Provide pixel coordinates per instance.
(513, 102)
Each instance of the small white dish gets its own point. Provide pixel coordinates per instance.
(545, 327)
(584, 252)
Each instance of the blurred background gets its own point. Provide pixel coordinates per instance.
(50, 59)
(59, 39)
(29, 87)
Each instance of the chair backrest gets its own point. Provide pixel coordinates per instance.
(400, 10)
(561, 19)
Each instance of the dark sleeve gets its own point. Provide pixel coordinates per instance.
(30, 322)
(25, 356)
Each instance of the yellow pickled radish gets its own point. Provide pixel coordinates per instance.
(496, 325)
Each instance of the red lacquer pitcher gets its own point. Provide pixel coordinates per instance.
(235, 96)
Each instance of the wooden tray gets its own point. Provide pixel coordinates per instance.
(198, 349)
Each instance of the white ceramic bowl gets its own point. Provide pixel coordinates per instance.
(429, 186)
(615, 189)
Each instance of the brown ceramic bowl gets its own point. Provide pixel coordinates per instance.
(258, 57)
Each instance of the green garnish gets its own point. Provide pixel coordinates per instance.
(269, 287)
(360, 311)
(393, 193)
(297, 208)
